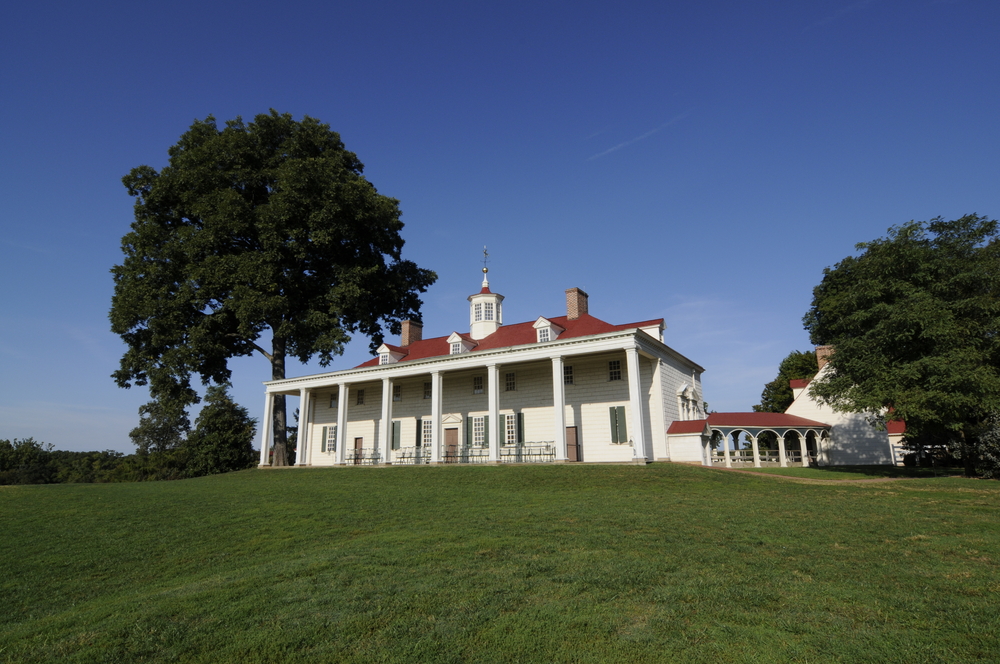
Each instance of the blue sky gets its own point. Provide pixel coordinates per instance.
(696, 161)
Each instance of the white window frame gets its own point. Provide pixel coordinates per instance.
(427, 433)
(477, 384)
(544, 335)
(428, 390)
(511, 429)
(510, 382)
(478, 431)
(614, 370)
(477, 309)
(331, 439)
(333, 400)
(360, 401)
(568, 374)
(456, 348)
(383, 358)
(488, 311)
(397, 392)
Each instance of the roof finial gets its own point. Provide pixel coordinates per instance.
(486, 259)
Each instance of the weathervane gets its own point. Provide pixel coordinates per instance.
(486, 259)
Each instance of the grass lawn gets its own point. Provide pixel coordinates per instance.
(501, 564)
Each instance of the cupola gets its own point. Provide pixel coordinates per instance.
(485, 314)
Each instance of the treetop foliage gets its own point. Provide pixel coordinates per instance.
(915, 324)
(777, 395)
(259, 226)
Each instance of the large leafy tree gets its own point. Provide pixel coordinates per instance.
(258, 229)
(915, 324)
(777, 395)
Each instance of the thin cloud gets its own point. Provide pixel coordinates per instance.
(843, 11)
(644, 136)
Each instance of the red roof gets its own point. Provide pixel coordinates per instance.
(761, 420)
(687, 426)
(895, 426)
(519, 334)
(799, 382)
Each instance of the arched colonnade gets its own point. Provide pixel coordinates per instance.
(796, 445)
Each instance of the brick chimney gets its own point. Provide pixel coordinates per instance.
(412, 331)
(823, 354)
(576, 303)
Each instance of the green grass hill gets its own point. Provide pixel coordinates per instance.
(501, 564)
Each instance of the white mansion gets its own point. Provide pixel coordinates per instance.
(564, 388)
(560, 389)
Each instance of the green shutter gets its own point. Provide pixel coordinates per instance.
(395, 435)
(420, 433)
(520, 427)
(468, 431)
(486, 431)
(322, 445)
(622, 431)
(614, 425)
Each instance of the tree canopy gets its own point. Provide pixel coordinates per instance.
(777, 395)
(915, 324)
(258, 228)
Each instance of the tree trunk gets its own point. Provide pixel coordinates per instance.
(279, 420)
(967, 460)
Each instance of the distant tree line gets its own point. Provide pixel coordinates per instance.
(222, 441)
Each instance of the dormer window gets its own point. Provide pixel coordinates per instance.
(389, 354)
(457, 344)
(546, 330)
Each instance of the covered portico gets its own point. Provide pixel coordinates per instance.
(726, 427)
(546, 361)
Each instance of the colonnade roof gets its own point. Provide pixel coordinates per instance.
(763, 420)
(746, 421)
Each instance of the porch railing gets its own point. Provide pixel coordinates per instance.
(767, 457)
(533, 452)
(467, 455)
(362, 456)
(411, 456)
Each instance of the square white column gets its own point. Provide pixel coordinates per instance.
(493, 399)
(265, 429)
(305, 407)
(436, 415)
(559, 408)
(385, 432)
(343, 390)
(637, 405)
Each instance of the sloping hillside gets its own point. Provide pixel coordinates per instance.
(534, 563)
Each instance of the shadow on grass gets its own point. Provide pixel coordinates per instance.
(861, 472)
